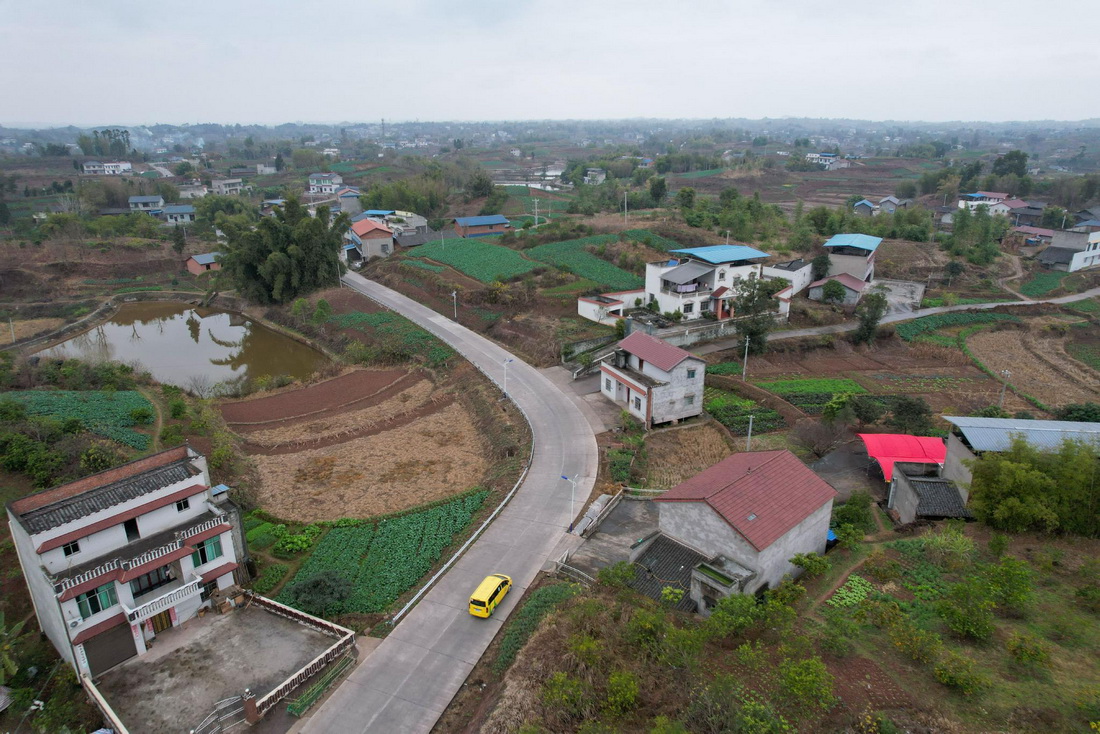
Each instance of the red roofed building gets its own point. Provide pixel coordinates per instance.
(367, 238)
(752, 511)
(655, 381)
(853, 288)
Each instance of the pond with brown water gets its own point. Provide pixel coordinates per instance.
(193, 347)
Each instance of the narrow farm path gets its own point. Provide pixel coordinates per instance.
(407, 682)
(718, 346)
(1017, 273)
(158, 414)
(841, 578)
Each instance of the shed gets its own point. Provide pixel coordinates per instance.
(853, 288)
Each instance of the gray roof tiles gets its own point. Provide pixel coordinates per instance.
(996, 434)
(666, 563)
(938, 498)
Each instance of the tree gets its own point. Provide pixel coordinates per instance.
(1012, 162)
(912, 415)
(833, 292)
(284, 256)
(870, 311)
(753, 304)
(9, 666)
(819, 266)
(479, 185)
(184, 168)
(178, 240)
(5, 213)
(320, 594)
(658, 189)
(685, 197)
(1080, 412)
(280, 164)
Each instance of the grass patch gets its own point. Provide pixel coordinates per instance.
(910, 330)
(525, 620)
(481, 260)
(395, 338)
(1043, 283)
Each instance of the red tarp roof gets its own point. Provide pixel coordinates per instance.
(890, 448)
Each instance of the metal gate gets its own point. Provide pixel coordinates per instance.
(227, 714)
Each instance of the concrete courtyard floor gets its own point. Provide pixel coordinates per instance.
(175, 685)
(630, 521)
(848, 469)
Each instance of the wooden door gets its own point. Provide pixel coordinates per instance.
(162, 622)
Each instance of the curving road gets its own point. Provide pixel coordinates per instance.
(407, 682)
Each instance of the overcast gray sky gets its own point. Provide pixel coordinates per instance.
(233, 61)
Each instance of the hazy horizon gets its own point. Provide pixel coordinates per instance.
(269, 63)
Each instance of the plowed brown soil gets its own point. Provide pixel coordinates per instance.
(312, 400)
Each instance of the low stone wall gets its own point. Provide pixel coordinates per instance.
(698, 331)
(580, 347)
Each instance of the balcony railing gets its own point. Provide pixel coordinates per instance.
(699, 290)
(165, 601)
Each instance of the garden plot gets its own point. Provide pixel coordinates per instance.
(481, 260)
(811, 395)
(572, 256)
(111, 414)
(1007, 350)
(734, 411)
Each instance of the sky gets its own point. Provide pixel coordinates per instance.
(242, 61)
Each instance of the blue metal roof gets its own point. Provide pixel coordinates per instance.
(862, 241)
(863, 201)
(996, 434)
(718, 254)
(349, 247)
(179, 209)
(218, 489)
(207, 258)
(145, 199)
(1088, 223)
(375, 213)
(481, 221)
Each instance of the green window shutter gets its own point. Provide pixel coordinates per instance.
(196, 559)
(215, 547)
(112, 596)
(82, 604)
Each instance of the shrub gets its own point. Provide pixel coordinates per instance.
(811, 564)
(585, 648)
(618, 575)
(171, 435)
(957, 671)
(948, 548)
(1010, 585)
(318, 593)
(141, 416)
(622, 693)
(915, 643)
(838, 633)
(998, 544)
(722, 706)
(565, 697)
(1027, 650)
(806, 684)
(732, 615)
(856, 511)
(671, 595)
(848, 536)
(646, 629)
(968, 610)
(177, 408)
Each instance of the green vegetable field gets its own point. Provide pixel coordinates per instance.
(102, 412)
(912, 329)
(733, 411)
(380, 561)
(571, 255)
(1042, 283)
(812, 394)
(477, 258)
(397, 335)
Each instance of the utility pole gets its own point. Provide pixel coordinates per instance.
(12, 325)
(536, 212)
(748, 438)
(625, 203)
(745, 361)
(1004, 387)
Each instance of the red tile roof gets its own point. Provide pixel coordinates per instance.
(1014, 203)
(650, 349)
(849, 281)
(100, 628)
(1037, 231)
(761, 494)
(216, 573)
(366, 226)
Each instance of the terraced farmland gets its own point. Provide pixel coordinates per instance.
(571, 255)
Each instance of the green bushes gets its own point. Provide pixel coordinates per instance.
(856, 511)
(622, 693)
(811, 564)
(968, 610)
(806, 684)
(1027, 650)
(910, 330)
(958, 672)
(109, 413)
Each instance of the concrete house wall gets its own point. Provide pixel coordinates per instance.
(695, 524)
(798, 279)
(857, 266)
(903, 498)
(954, 468)
(619, 388)
(851, 297)
(682, 397)
(376, 247)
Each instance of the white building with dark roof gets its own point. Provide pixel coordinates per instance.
(119, 557)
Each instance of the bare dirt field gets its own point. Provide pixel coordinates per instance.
(31, 327)
(353, 388)
(1041, 374)
(434, 457)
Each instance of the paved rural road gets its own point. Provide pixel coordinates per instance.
(717, 346)
(407, 682)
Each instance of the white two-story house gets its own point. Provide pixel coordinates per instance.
(701, 279)
(325, 183)
(981, 198)
(655, 381)
(151, 204)
(117, 558)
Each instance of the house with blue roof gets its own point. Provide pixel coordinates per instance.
(148, 204)
(204, 263)
(701, 281)
(481, 226)
(864, 208)
(177, 214)
(853, 254)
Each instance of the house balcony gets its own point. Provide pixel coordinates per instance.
(687, 290)
(177, 592)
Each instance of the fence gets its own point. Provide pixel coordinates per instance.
(682, 336)
(311, 669)
(574, 573)
(227, 713)
(300, 705)
(585, 530)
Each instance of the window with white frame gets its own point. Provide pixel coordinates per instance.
(95, 601)
(207, 551)
(607, 384)
(637, 403)
(71, 548)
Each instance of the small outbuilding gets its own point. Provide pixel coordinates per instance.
(481, 226)
(853, 288)
(199, 264)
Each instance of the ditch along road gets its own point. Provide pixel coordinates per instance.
(717, 346)
(405, 684)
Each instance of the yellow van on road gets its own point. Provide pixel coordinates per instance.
(488, 594)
